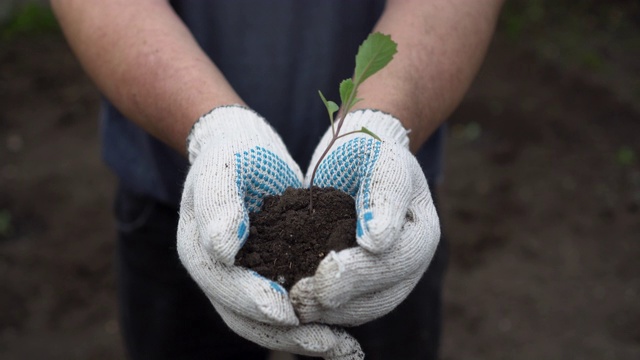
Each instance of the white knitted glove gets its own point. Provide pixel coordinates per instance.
(397, 226)
(237, 159)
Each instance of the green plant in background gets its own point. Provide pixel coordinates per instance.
(30, 18)
(625, 156)
(525, 18)
(6, 227)
(590, 37)
(519, 17)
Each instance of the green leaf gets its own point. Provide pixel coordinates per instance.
(346, 89)
(331, 106)
(374, 54)
(370, 133)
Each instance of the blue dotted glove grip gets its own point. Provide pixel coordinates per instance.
(349, 168)
(260, 172)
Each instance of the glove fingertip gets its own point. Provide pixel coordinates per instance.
(332, 285)
(375, 235)
(279, 315)
(317, 339)
(346, 348)
(303, 298)
(223, 241)
(273, 303)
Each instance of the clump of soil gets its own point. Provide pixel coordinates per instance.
(286, 242)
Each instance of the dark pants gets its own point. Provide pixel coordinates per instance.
(164, 315)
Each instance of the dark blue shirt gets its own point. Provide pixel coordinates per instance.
(276, 54)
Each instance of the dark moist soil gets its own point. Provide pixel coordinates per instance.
(287, 242)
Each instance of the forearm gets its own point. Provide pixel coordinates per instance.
(441, 44)
(144, 60)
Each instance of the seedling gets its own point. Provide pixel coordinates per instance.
(374, 53)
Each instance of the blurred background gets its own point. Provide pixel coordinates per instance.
(541, 197)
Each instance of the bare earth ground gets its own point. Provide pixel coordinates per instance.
(541, 205)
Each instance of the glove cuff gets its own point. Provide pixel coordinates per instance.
(384, 125)
(224, 124)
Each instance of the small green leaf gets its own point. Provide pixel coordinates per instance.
(346, 90)
(374, 54)
(331, 106)
(370, 133)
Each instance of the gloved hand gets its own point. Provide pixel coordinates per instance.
(237, 159)
(397, 226)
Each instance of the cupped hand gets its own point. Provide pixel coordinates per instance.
(397, 225)
(236, 160)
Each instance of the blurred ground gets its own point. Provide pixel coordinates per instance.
(541, 200)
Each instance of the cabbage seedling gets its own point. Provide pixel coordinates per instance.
(375, 52)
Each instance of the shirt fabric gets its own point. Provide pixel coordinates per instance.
(277, 55)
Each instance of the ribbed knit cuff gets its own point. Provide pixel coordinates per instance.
(384, 125)
(223, 124)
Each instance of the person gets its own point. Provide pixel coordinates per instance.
(193, 87)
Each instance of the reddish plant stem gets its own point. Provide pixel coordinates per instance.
(315, 168)
(324, 154)
(336, 135)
